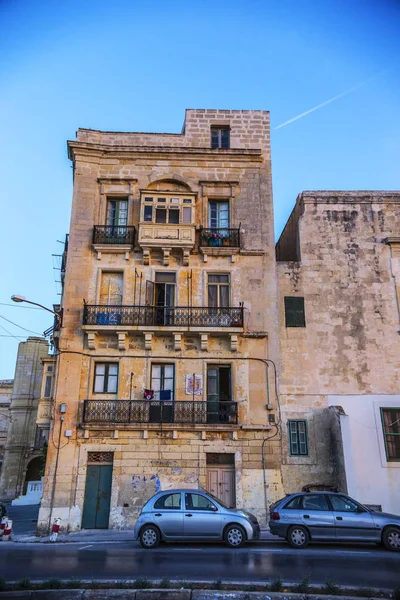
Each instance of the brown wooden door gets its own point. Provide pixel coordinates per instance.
(221, 483)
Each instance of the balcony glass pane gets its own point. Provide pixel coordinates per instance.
(161, 215)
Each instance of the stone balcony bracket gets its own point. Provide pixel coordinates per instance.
(91, 339)
(148, 341)
(234, 343)
(232, 334)
(166, 255)
(204, 342)
(177, 341)
(122, 340)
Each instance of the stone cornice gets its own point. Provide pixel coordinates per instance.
(100, 150)
(349, 197)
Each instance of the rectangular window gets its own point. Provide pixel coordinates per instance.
(163, 381)
(218, 290)
(173, 216)
(148, 213)
(117, 212)
(391, 432)
(218, 214)
(161, 215)
(220, 137)
(47, 388)
(105, 378)
(298, 443)
(187, 214)
(111, 288)
(294, 311)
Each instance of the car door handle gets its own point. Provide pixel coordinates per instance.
(189, 515)
(339, 518)
(158, 515)
(306, 516)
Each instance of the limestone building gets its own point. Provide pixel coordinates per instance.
(24, 438)
(338, 262)
(169, 339)
(6, 386)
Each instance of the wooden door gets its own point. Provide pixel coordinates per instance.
(221, 483)
(96, 508)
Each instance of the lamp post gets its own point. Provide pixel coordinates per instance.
(18, 298)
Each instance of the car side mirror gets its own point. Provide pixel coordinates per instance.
(214, 508)
(360, 510)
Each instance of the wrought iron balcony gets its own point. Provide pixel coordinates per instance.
(114, 234)
(215, 238)
(162, 316)
(149, 411)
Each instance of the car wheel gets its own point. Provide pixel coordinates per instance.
(298, 537)
(149, 537)
(391, 539)
(235, 536)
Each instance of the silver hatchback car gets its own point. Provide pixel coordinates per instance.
(193, 515)
(328, 516)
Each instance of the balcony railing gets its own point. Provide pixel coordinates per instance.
(228, 238)
(114, 234)
(149, 411)
(162, 316)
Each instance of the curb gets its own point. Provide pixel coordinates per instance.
(162, 594)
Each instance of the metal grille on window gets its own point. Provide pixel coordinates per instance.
(104, 458)
(220, 459)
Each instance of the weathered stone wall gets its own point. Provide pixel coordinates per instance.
(6, 386)
(350, 344)
(20, 442)
(107, 163)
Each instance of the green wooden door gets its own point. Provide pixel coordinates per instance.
(96, 508)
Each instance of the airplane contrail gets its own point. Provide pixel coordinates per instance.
(349, 91)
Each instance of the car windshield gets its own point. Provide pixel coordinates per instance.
(218, 501)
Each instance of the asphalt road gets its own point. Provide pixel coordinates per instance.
(364, 566)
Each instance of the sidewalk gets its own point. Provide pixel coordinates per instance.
(100, 535)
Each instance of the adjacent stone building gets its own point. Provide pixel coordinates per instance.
(169, 341)
(23, 448)
(6, 386)
(338, 263)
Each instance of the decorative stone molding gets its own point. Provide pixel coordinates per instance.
(101, 249)
(234, 435)
(148, 341)
(204, 342)
(122, 340)
(145, 434)
(177, 341)
(203, 435)
(186, 256)
(91, 340)
(115, 434)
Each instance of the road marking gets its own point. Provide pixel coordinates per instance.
(83, 547)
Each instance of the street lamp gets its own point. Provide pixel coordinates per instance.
(18, 298)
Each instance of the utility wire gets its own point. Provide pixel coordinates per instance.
(17, 337)
(19, 326)
(19, 306)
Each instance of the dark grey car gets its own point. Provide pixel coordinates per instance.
(185, 514)
(325, 516)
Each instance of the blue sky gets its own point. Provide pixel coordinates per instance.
(127, 65)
